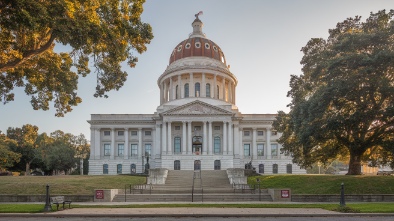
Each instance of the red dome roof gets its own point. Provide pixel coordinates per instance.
(197, 47)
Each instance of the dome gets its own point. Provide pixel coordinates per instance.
(197, 45)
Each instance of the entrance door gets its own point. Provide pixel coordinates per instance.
(197, 145)
(217, 165)
(133, 169)
(197, 165)
(177, 165)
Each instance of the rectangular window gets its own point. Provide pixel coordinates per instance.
(274, 149)
(119, 168)
(260, 149)
(177, 145)
(107, 149)
(134, 150)
(246, 133)
(216, 128)
(177, 127)
(148, 133)
(121, 133)
(107, 133)
(260, 133)
(246, 149)
(105, 169)
(148, 148)
(133, 133)
(197, 128)
(216, 144)
(120, 149)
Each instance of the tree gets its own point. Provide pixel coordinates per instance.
(109, 31)
(343, 103)
(7, 157)
(25, 138)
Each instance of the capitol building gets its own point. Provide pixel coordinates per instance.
(197, 125)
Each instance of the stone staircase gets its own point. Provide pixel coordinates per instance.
(213, 185)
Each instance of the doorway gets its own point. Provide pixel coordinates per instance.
(177, 165)
(197, 145)
(217, 165)
(197, 165)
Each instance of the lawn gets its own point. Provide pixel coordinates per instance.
(327, 184)
(79, 185)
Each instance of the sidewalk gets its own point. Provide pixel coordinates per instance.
(190, 212)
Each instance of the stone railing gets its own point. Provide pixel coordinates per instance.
(157, 176)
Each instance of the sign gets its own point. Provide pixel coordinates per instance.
(99, 194)
(285, 193)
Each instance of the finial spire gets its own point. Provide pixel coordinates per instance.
(199, 13)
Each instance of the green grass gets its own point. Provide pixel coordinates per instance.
(79, 185)
(327, 184)
(353, 207)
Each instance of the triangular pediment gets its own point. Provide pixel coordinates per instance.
(197, 108)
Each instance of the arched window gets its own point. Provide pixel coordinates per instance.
(186, 90)
(133, 169)
(289, 168)
(216, 145)
(197, 89)
(177, 145)
(119, 169)
(261, 168)
(105, 169)
(208, 90)
(176, 92)
(217, 94)
(275, 168)
(177, 165)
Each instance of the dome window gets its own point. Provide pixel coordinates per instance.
(198, 44)
(215, 48)
(180, 48)
(187, 46)
(207, 46)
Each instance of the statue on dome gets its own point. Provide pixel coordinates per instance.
(199, 13)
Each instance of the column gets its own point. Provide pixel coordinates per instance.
(230, 91)
(140, 143)
(203, 87)
(210, 138)
(224, 88)
(112, 144)
(204, 139)
(191, 86)
(179, 87)
(153, 146)
(93, 143)
(241, 146)
(126, 143)
(230, 138)
(165, 92)
(97, 144)
(161, 93)
(268, 132)
(157, 143)
(169, 146)
(171, 90)
(184, 137)
(215, 88)
(254, 144)
(189, 138)
(236, 141)
(164, 139)
(224, 138)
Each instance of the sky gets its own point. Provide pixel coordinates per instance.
(261, 40)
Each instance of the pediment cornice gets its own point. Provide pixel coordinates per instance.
(197, 108)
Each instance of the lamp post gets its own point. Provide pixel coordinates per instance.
(258, 181)
(342, 200)
(47, 207)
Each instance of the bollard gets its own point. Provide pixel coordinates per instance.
(342, 200)
(47, 207)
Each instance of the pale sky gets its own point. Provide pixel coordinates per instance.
(261, 40)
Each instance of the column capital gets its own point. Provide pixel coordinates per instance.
(254, 128)
(140, 128)
(126, 128)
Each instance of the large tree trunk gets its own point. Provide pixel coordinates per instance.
(354, 164)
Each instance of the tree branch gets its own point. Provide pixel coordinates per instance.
(27, 55)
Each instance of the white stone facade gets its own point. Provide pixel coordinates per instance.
(196, 126)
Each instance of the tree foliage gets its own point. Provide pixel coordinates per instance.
(109, 31)
(26, 146)
(7, 157)
(343, 103)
